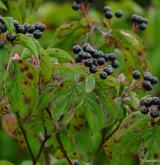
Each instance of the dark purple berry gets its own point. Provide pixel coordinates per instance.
(37, 34)
(31, 29)
(144, 110)
(115, 64)
(142, 26)
(40, 26)
(11, 37)
(93, 69)
(21, 29)
(87, 56)
(108, 70)
(84, 47)
(3, 28)
(154, 80)
(75, 6)
(147, 85)
(108, 14)
(136, 74)
(112, 57)
(88, 62)
(101, 61)
(103, 75)
(154, 113)
(106, 8)
(76, 49)
(78, 59)
(118, 13)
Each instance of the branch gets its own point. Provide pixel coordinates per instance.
(26, 139)
(63, 149)
(42, 147)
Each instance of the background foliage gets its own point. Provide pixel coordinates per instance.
(54, 14)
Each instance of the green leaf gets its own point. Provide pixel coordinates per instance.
(46, 66)
(59, 53)
(28, 162)
(22, 87)
(27, 42)
(2, 6)
(9, 24)
(5, 162)
(90, 84)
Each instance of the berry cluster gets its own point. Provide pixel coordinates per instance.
(139, 22)
(77, 3)
(148, 80)
(109, 14)
(95, 59)
(36, 30)
(151, 106)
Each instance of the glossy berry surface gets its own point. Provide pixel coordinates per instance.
(112, 56)
(88, 62)
(93, 69)
(76, 49)
(11, 37)
(101, 61)
(103, 75)
(37, 34)
(115, 64)
(136, 74)
(108, 70)
(144, 110)
(118, 13)
(147, 85)
(154, 113)
(76, 6)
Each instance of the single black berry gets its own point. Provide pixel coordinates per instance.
(84, 47)
(31, 29)
(107, 8)
(76, 49)
(154, 113)
(16, 24)
(108, 70)
(93, 69)
(87, 56)
(89, 49)
(3, 28)
(118, 13)
(142, 26)
(112, 56)
(106, 57)
(95, 62)
(101, 61)
(40, 26)
(136, 74)
(144, 110)
(108, 14)
(154, 80)
(88, 62)
(96, 54)
(21, 29)
(155, 101)
(37, 34)
(11, 37)
(115, 64)
(26, 26)
(103, 75)
(147, 76)
(78, 59)
(75, 6)
(147, 85)
(81, 54)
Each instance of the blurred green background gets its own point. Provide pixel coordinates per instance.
(57, 12)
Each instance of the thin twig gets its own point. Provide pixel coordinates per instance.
(58, 136)
(26, 139)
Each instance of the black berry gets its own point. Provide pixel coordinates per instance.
(154, 80)
(119, 14)
(40, 26)
(108, 70)
(93, 69)
(87, 56)
(106, 8)
(103, 75)
(78, 59)
(88, 62)
(11, 37)
(154, 113)
(115, 64)
(101, 61)
(142, 26)
(3, 28)
(31, 29)
(75, 6)
(112, 56)
(108, 14)
(136, 74)
(147, 85)
(76, 49)
(21, 29)
(144, 110)
(37, 34)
